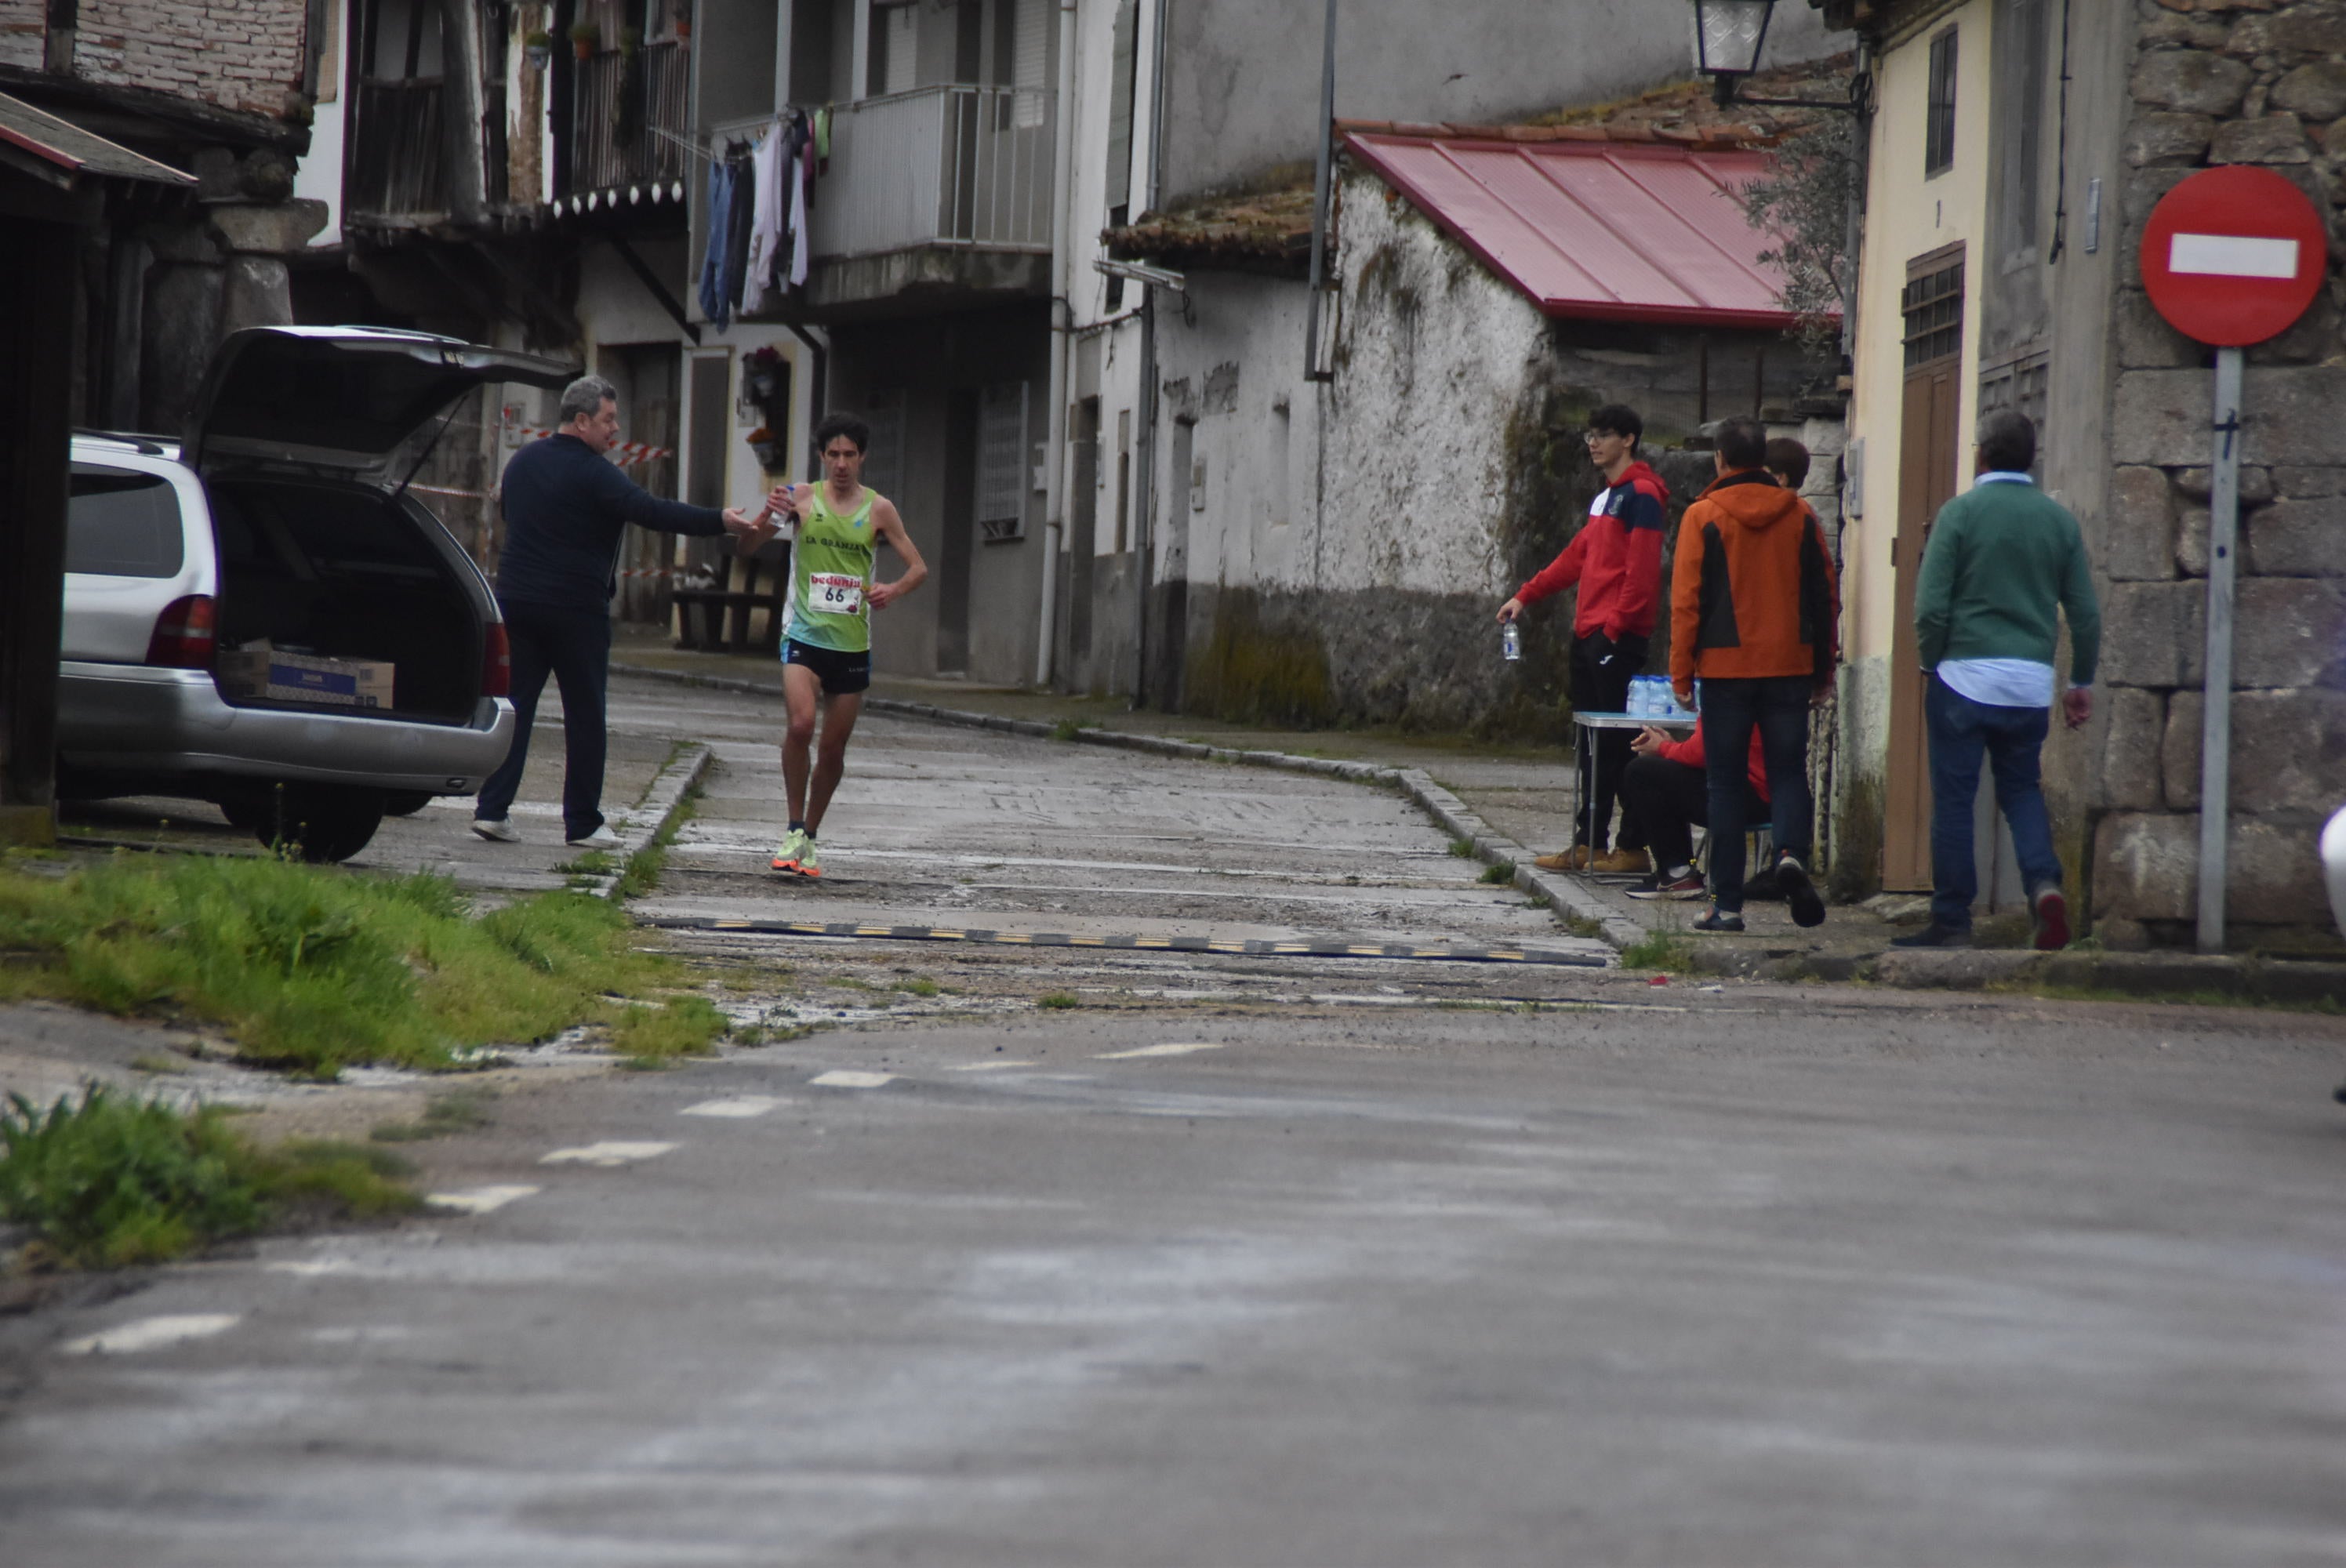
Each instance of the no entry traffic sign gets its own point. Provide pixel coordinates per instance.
(2233, 256)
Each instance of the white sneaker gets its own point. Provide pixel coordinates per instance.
(600, 839)
(497, 830)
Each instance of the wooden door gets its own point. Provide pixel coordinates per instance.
(1929, 419)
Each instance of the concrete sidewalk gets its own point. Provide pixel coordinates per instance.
(1513, 801)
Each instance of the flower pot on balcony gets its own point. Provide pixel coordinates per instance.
(583, 47)
(760, 383)
(770, 454)
(538, 55)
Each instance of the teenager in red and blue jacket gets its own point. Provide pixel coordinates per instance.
(1617, 561)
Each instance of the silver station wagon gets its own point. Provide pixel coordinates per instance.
(284, 524)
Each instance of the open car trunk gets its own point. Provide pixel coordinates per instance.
(347, 572)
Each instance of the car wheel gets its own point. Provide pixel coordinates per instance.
(319, 823)
(405, 802)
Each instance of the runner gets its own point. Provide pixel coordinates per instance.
(836, 527)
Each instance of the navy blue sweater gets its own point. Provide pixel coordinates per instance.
(566, 506)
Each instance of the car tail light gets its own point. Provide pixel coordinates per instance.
(185, 634)
(496, 662)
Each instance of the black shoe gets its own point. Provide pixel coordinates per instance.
(1719, 920)
(1792, 880)
(1935, 936)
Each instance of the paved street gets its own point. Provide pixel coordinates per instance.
(1086, 1255)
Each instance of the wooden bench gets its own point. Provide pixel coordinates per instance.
(711, 607)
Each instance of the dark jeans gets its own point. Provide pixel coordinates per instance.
(1601, 685)
(2013, 738)
(1661, 801)
(574, 646)
(1779, 706)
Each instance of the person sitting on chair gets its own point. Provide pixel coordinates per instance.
(1663, 796)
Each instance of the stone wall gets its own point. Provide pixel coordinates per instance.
(2222, 82)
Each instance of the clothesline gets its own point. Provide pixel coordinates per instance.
(760, 197)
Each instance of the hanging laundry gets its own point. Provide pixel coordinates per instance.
(767, 215)
(737, 227)
(822, 136)
(802, 180)
(714, 301)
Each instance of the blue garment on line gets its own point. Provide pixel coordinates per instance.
(716, 295)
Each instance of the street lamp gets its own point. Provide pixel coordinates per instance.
(1727, 35)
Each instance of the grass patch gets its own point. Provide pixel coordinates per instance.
(159, 1062)
(1057, 999)
(1658, 950)
(113, 1181)
(919, 985)
(458, 1110)
(685, 1026)
(311, 967)
(1066, 729)
(593, 863)
(1462, 847)
(645, 866)
(1498, 872)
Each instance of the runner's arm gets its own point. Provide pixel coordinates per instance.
(891, 528)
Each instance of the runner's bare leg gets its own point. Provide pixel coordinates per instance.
(802, 690)
(839, 714)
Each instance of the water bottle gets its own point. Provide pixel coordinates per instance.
(1510, 642)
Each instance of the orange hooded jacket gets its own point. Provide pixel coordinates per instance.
(1753, 590)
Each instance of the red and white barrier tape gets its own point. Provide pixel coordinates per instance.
(626, 454)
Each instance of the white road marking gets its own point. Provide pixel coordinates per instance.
(2232, 256)
(309, 1268)
(151, 1333)
(1179, 1049)
(606, 1155)
(739, 1106)
(480, 1199)
(988, 1066)
(846, 1078)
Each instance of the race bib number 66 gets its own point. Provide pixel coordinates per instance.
(835, 593)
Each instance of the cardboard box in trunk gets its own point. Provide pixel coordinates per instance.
(261, 672)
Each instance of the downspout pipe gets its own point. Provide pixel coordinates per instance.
(1054, 453)
(1147, 542)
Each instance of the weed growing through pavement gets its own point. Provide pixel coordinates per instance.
(311, 968)
(1058, 999)
(919, 985)
(645, 866)
(1462, 847)
(458, 1110)
(1498, 872)
(1066, 729)
(1658, 950)
(111, 1181)
(592, 863)
(683, 1027)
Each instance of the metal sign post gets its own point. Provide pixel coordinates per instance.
(2216, 710)
(2231, 256)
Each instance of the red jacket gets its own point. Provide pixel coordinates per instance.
(1617, 559)
(1690, 751)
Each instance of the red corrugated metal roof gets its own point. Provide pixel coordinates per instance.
(1588, 228)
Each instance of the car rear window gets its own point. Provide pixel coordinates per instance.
(120, 523)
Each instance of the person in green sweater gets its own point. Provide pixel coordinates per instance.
(2003, 562)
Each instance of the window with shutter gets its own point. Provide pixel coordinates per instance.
(1030, 60)
(1001, 458)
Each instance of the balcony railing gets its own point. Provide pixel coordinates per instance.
(615, 142)
(948, 165)
(399, 159)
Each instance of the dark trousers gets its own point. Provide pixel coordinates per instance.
(2014, 739)
(1779, 706)
(1661, 801)
(574, 646)
(1601, 685)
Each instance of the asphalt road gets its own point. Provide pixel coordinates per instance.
(1254, 1260)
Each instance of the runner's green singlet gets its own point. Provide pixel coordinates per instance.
(831, 576)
